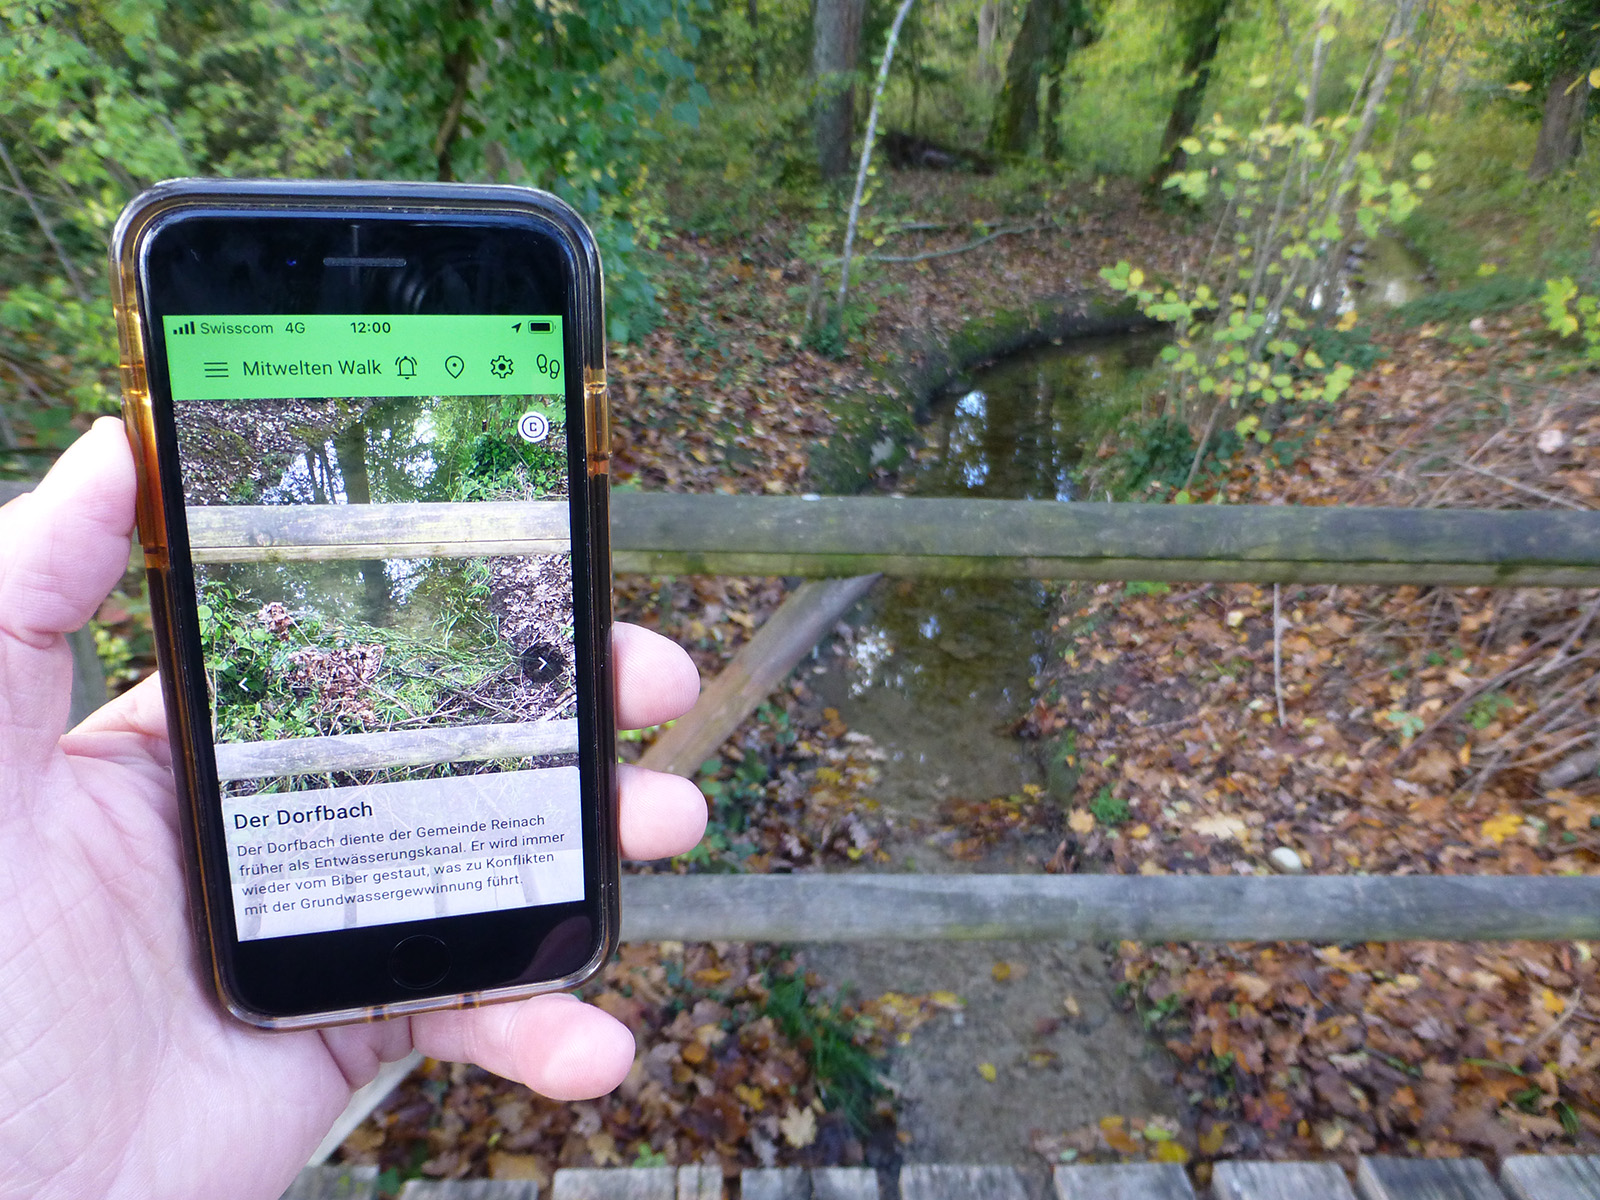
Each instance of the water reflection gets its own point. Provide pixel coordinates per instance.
(385, 455)
(939, 671)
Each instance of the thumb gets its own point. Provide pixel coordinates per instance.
(62, 547)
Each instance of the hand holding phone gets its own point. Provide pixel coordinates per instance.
(122, 1075)
(371, 427)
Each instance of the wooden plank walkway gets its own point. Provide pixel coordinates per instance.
(1384, 1178)
(1544, 1177)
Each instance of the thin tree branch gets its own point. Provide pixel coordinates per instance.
(67, 268)
(866, 147)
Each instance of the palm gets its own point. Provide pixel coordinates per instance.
(114, 1051)
(119, 1074)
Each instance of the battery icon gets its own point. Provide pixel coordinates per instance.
(539, 326)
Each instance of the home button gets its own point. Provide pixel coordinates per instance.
(419, 962)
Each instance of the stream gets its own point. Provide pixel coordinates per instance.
(939, 671)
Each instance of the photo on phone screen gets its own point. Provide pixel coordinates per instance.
(348, 674)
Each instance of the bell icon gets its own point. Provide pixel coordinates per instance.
(406, 367)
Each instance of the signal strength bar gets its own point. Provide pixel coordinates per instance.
(188, 327)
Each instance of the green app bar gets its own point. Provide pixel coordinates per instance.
(317, 357)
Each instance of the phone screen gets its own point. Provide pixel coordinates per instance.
(379, 511)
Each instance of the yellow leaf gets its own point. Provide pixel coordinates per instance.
(1211, 1139)
(517, 1166)
(988, 1072)
(946, 1000)
(1501, 826)
(1594, 78)
(1170, 1152)
(1081, 821)
(1140, 830)
(1001, 972)
(1228, 828)
(1552, 1003)
(1519, 86)
(799, 1127)
(603, 1149)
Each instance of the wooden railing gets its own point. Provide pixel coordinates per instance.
(658, 533)
(397, 748)
(679, 534)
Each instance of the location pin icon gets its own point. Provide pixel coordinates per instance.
(455, 366)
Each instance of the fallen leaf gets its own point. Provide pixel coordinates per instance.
(1227, 828)
(1501, 826)
(518, 1166)
(799, 1127)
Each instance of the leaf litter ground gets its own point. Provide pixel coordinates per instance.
(1424, 730)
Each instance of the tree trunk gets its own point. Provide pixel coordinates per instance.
(1203, 37)
(458, 62)
(1016, 110)
(835, 48)
(752, 13)
(1050, 136)
(988, 26)
(1561, 130)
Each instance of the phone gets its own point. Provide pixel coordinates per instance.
(372, 441)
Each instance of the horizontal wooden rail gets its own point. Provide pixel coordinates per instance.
(274, 532)
(1169, 908)
(660, 533)
(397, 748)
(842, 536)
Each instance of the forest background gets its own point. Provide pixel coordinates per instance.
(1219, 166)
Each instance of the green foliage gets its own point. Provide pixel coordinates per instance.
(1353, 346)
(1293, 196)
(100, 99)
(1486, 709)
(1109, 809)
(490, 455)
(561, 96)
(1483, 215)
(847, 1079)
(1571, 313)
(247, 667)
(1493, 294)
(733, 791)
(1160, 453)
(1540, 40)
(1121, 89)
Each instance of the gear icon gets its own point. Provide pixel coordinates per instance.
(501, 366)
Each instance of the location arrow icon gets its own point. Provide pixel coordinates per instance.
(455, 366)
